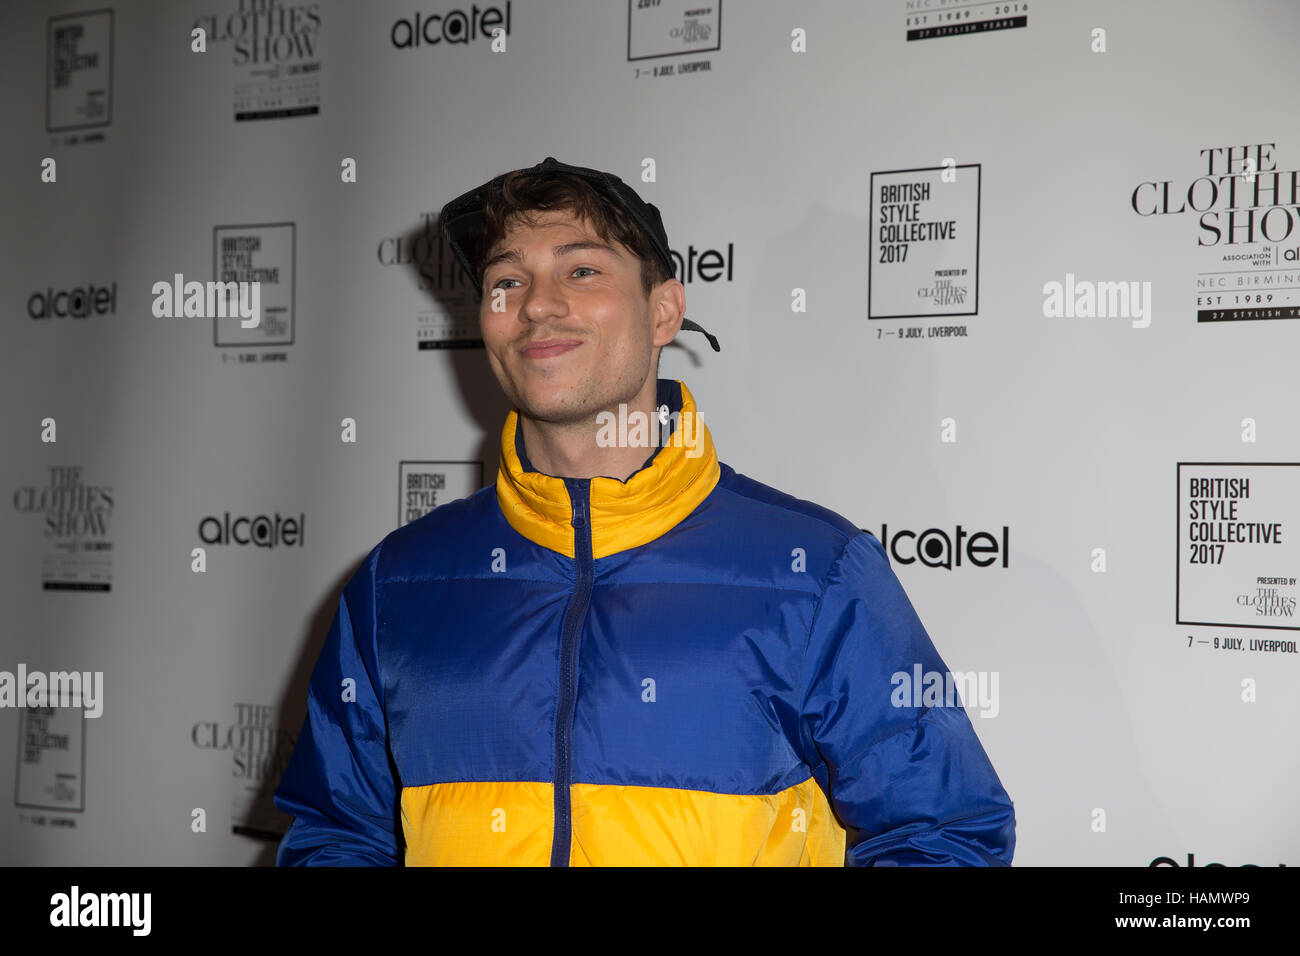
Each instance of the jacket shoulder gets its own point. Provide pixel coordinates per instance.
(432, 541)
(784, 515)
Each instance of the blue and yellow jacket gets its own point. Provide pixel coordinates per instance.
(683, 668)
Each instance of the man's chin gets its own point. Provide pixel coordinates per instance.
(556, 406)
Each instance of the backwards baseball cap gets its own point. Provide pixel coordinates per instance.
(463, 220)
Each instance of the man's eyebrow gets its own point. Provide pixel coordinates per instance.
(512, 255)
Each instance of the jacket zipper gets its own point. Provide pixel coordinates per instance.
(579, 495)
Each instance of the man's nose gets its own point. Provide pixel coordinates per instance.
(543, 298)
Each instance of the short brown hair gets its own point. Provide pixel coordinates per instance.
(523, 196)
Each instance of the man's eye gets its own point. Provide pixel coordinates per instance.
(498, 283)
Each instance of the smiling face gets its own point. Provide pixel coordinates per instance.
(576, 334)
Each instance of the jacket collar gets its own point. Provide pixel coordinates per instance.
(624, 514)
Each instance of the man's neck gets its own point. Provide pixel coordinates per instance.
(572, 450)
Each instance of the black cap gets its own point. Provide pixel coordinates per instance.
(462, 220)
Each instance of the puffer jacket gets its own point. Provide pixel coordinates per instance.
(683, 668)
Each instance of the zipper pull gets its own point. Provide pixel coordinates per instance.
(578, 497)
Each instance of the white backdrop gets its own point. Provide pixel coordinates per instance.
(1123, 732)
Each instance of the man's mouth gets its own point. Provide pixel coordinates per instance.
(547, 348)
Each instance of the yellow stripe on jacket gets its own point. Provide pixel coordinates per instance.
(512, 824)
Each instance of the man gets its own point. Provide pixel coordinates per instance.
(614, 659)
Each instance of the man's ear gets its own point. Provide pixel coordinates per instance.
(668, 306)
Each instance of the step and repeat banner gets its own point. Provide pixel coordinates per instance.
(1014, 286)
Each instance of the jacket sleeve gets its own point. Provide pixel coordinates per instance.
(339, 783)
(911, 784)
